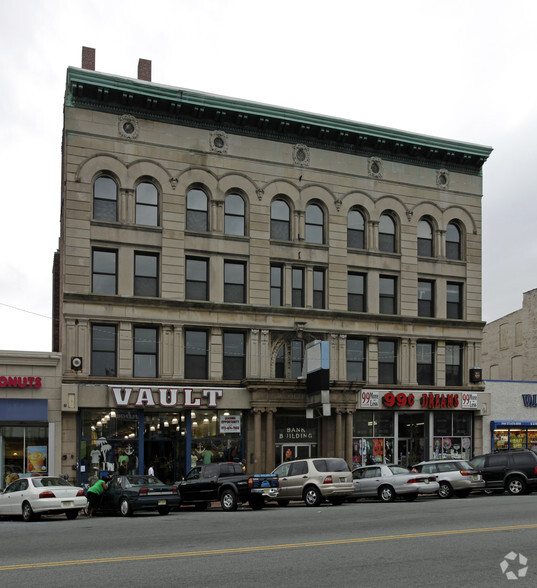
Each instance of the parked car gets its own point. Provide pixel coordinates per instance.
(514, 470)
(387, 481)
(127, 494)
(33, 497)
(454, 476)
(314, 480)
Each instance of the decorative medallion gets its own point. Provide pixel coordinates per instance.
(301, 155)
(128, 126)
(442, 179)
(218, 141)
(374, 167)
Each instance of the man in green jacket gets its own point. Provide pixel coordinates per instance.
(95, 493)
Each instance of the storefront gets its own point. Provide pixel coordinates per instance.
(30, 415)
(296, 437)
(513, 435)
(408, 427)
(171, 429)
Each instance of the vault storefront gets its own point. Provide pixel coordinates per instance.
(408, 427)
(168, 428)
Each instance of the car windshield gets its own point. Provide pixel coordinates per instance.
(398, 470)
(45, 482)
(142, 481)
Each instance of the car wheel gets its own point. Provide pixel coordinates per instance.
(256, 502)
(283, 502)
(516, 485)
(410, 497)
(462, 493)
(71, 514)
(228, 500)
(386, 494)
(125, 509)
(163, 510)
(27, 513)
(312, 496)
(445, 490)
(201, 505)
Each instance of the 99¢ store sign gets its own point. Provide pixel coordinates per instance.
(371, 399)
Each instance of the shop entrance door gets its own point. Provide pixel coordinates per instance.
(290, 452)
(411, 438)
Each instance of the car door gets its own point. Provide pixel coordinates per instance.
(110, 498)
(495, 468)
(10, 498)
(282, 471)
(367, 480)
(190, 485)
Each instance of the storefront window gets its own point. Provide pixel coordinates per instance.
(23, 451)
(452, 435)
(373, 437)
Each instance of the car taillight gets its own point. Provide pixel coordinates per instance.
(250, 482)
(328, 480)
(414, 480)
(143, 490)
(467, 473)
(535, 470)
(174, 490)
(47, 494)
(80, 493)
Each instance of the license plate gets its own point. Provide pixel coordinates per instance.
(342, 479)
(161, 502)
(426, 480)
(67, 504)
(475, 477)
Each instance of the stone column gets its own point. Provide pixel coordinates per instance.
(299, 228)
(167, 350)
(348, 437)
(178, 353)
(270, 448)
(373, 242)
(258, 450)
(217, 216)
(339, 434)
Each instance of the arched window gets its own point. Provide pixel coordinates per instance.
(356, 230)
(453, 241)
(387, 233)
(234, 215)
(146, 204)
(425, 238)
(105, 199)
(314, 224)
(197, 217)
(280, 220)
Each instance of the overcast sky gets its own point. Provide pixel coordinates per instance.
(461, 70)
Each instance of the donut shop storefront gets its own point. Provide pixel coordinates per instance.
(169, 428)
(406, 427)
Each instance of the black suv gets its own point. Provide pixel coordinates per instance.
(514, 471)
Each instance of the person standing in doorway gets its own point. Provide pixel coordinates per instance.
(150, 471)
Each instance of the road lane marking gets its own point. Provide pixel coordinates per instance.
(257, 548)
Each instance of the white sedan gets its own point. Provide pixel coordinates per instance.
(387, 481)
(32, 497)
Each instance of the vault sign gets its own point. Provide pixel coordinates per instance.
(166, 397)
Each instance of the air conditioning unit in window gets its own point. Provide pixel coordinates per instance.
(476, 375)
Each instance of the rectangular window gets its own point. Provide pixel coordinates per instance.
(298, 287)
(197, 280)
(297, 358)
(276, 285)
(425, 298)
(425, 364)
(387, 363)
(103, 350)
(387, 292)
(454, 300)
(145, 352)
(356, 299)
(454, 364)
(318, 288)
(234, 356)
(355, 359)
(196, 355)
(104, 273)
(145, 274)
(234, 282)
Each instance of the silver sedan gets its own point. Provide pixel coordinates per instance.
(386, 482)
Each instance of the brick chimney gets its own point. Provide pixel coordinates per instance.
(88, 58)
(144, 70)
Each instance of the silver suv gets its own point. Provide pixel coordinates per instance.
(314, 480)
(454, 476)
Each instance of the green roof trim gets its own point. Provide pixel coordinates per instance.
(95, 90)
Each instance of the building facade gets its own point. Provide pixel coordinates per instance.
(31, 404)
(206, 242)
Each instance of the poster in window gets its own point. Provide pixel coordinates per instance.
(37, 458)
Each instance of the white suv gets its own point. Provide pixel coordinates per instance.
(314, 480)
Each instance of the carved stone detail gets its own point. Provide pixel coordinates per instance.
(442, 179)
(219, 142)
(128, 126)
(374, 167)
(260, 193)
(301, 155)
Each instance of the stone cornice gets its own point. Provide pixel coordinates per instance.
(119, 95)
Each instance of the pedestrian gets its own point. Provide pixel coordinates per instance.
(150, 471)
(95, 494)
